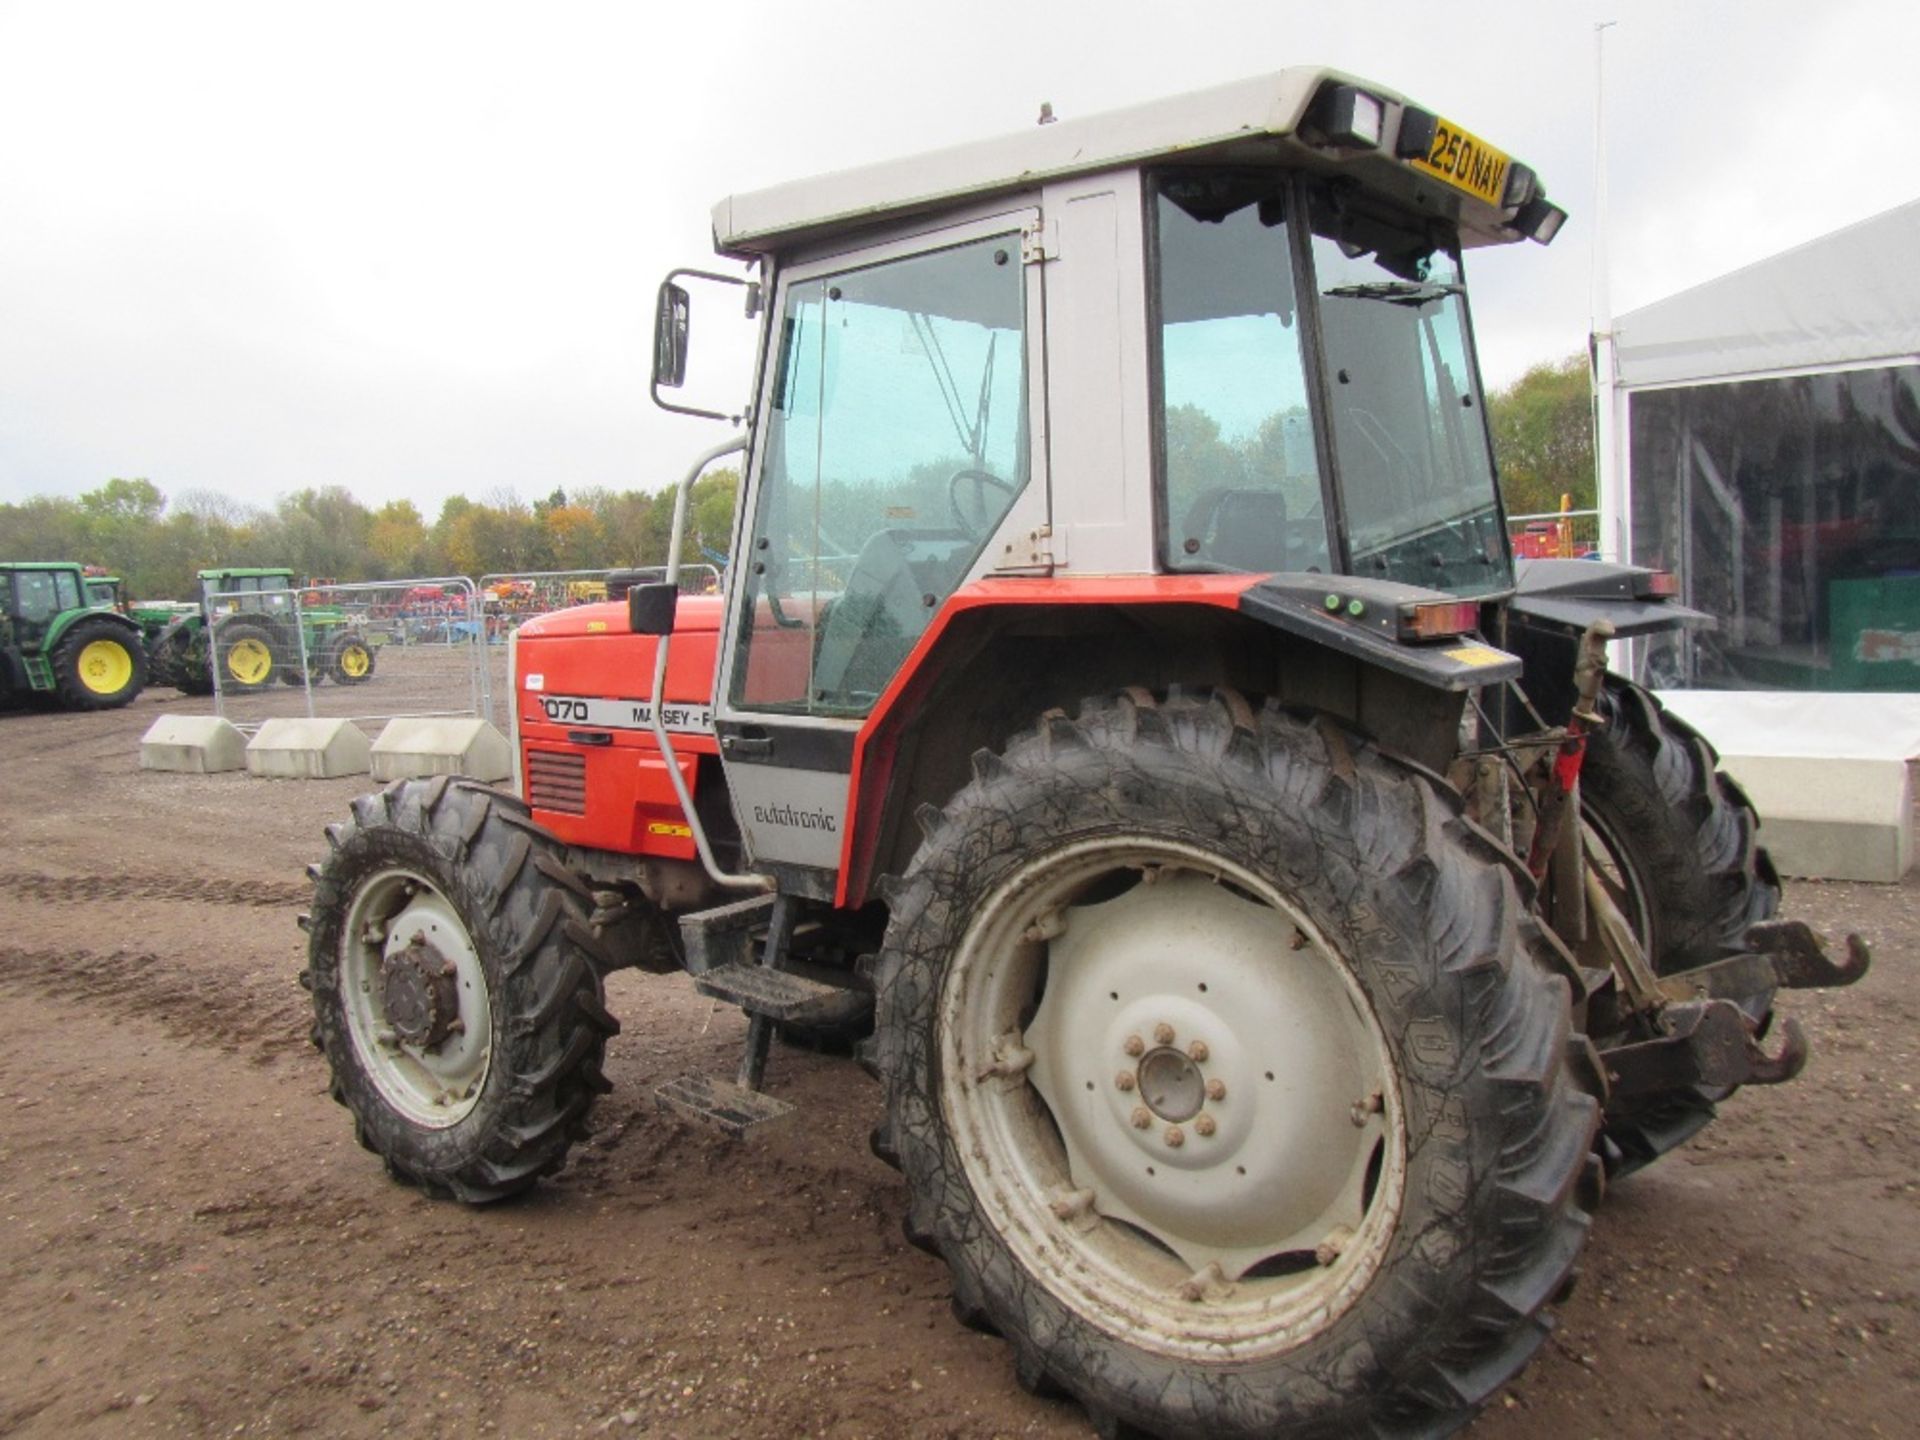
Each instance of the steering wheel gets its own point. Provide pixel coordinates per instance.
(982, 481)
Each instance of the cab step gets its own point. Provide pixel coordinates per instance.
(732, 1108)
(725, 935)
(781, 995)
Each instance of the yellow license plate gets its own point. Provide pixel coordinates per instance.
(1466, 162)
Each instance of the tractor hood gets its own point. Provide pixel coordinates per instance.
(697, 614)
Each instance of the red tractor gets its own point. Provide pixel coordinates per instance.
(1270, 925)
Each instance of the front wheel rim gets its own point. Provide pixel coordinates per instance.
(399, 919)
(1172, 1098)
(354, 662)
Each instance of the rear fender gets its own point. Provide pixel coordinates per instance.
(1003, 652)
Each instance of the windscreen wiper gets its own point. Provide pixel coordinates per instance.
(1395, 292)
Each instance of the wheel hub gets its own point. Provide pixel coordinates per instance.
(1171, 1084)
(421, 993)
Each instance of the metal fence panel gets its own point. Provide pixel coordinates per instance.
(364, 652)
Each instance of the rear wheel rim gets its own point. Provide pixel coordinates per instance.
(105, 667)
(1219, 1201)
(434, 1086)
(249, 661)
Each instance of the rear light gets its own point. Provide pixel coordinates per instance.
(1659, 585)
(1439, 619)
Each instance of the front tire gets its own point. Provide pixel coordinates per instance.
(350, 659)
(98, 666)
(1301, 1260)
(454, 986)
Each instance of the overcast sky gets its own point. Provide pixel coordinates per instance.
(411, 248)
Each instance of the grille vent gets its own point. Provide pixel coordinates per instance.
(557, 781)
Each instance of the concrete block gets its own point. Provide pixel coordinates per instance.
(193, 745)
(416, 745)
(302, 749)
(1827, 818)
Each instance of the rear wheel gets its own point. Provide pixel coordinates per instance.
(245, 655)
(455, 989)
(98, 666)
(1231, 1077)
(1678, 848)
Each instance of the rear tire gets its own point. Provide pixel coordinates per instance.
(1177, 841)
(455, 989)
(1687, 870)
(1650, 784)
(98, 666)
(246, 654)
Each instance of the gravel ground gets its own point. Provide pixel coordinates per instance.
(193, 1244)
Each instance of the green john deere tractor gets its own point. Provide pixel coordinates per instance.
(248, 626)
(57, 639)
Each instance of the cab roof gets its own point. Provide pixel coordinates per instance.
(1267, 120)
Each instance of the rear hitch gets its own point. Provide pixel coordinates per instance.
(1783, 955)
(1707, 1043)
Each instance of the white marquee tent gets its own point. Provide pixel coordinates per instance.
(1767, 448)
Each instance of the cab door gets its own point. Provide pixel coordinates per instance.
(897, 458)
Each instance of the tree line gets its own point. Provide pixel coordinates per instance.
(157, 543)
(1542, 432)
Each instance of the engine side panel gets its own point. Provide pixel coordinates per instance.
(582, 692)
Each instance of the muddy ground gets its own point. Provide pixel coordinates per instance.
(193, 1244)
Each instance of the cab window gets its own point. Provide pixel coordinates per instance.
(1240, 471)
(896, 442)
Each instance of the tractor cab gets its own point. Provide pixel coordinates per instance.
(252, 591)
(1167, 353)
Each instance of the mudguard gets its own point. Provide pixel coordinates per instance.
(1572, 594)
(1361, 618)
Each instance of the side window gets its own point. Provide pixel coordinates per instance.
(66, 590)
(896, 441)
(37, 599)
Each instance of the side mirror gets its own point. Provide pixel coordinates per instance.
(671, 322)
(651, 608)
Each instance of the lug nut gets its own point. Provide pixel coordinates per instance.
(1124, 1080)
(1176, 1137)
(1204, 1123)
(1198, 1051)
(1216, 1089)
(1134, 1045)
(1163, 1034)
(1142, 1117)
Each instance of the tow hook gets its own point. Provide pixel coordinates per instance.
(1707, 1035)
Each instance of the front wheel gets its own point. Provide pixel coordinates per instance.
(1231, 1077)
(350, 659)
(455, 991)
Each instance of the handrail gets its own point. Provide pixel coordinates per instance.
(659, 723)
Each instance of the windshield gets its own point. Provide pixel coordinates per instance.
(1409, 438)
